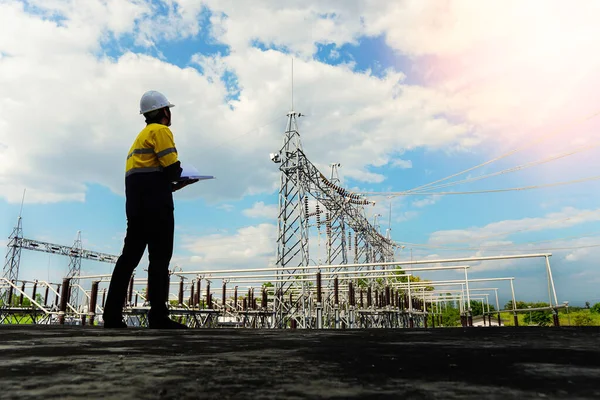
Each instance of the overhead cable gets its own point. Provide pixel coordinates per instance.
(517, 168)
(511, 152)
(396, 194)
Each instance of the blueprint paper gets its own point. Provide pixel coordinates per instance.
(190, 172)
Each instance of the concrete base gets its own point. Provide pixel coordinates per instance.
(447, 363)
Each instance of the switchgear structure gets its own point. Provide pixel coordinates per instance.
(308, 199)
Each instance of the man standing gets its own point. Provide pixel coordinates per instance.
(151, 169)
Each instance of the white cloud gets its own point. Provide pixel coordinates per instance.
(87, 143)
(579, 253)
(584, 249)
(569, 216)
(226, 207)
(181, 21)
(354, 118)
(262, 210)
(402, 164)
(249, 246)
(295, 25)
(406, 216)
(427, 201)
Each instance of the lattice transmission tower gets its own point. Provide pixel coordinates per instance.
(305, 195)
(13, 256)
(75, 268)
(76, 253)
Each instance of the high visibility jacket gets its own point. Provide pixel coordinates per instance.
(151, 167)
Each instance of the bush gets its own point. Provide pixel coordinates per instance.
(595, 308)
(582, 320)
(540, 318)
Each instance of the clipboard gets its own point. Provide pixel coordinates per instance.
(191, 173)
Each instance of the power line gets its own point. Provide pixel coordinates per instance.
(441, 247)
(526, 145)
(506, 233)
(395, 194)
(504, 246)
(522, 250)
(517, 168)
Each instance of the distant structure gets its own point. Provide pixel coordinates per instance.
(308, 199)
(13, 254)
(76, 253)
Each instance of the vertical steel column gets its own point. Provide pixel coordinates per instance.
(180, 293)
(64, 298)
(551, 282)
(33, 292)
(10, 294)
(469, 310)
(351, 306)
(319, 302)
(46, 295)
(235, 299)
(198, 292)
(498, 308)
(263, 303)
(208, 303)
(192, 294)
(514, 304)
(387, 295)
(411, 322)
(336, 302)
(362, 303)
(57, 298)
(93, 301)
(21, 295)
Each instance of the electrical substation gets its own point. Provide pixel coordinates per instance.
(357, 283)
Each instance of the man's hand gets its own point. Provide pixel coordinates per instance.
(182, 184)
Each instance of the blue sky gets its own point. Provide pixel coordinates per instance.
(395, 108)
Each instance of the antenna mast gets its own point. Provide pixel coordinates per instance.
(22, 201)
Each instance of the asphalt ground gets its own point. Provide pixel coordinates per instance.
(473, 363)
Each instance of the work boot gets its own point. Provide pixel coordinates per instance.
(165, 323)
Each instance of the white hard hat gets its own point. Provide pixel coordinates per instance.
(153, 100)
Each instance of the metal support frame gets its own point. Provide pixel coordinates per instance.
(300, 184)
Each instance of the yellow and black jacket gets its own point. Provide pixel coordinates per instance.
(152, 165)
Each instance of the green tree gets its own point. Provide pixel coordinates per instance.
(477, 308)
(595, 308)
(450, 316)
(400, 277)
(587, 304)
(540, 318)
(26, 302)
(413, 279)
(520, 305)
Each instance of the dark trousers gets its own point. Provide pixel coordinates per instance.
(156, 233)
